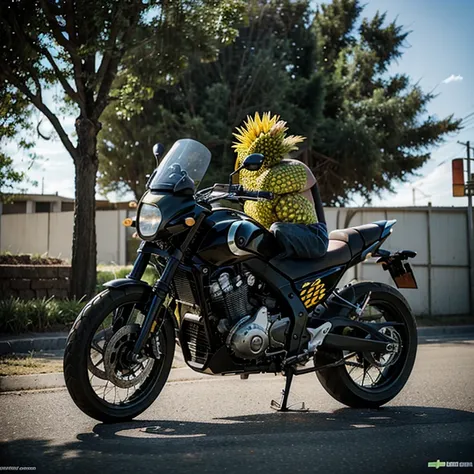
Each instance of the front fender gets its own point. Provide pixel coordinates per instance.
(131, 285)
(126, 282)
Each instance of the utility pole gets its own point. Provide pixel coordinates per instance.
(470, 223)
(413, 189)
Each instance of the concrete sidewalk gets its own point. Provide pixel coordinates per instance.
(36, 342)
(181, 372)
(17, 383)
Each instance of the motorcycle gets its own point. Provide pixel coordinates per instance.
(233, 306)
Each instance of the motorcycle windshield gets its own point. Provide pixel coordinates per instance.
(185, 155)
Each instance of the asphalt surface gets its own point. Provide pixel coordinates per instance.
(226, 425)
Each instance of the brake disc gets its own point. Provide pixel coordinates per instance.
(98, 344)
(118, 369)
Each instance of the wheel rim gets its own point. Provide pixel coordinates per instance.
(375, 373)
(114, 381)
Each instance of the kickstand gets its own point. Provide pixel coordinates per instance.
(283, 404)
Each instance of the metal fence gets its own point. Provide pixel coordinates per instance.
(438, 235)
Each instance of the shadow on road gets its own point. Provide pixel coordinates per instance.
(276, 423)
(137, 444)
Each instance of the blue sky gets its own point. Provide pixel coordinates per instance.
(439, 56)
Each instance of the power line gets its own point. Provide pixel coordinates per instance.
(468, 115)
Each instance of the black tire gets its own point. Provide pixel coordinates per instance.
(76, 358)
(337, 381)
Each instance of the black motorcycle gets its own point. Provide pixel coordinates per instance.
(234, 307)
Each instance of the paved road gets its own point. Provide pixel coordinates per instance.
(225, 425)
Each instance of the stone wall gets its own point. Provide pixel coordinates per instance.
(34, 281)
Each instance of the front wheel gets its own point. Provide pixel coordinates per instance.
(100, 376)
(369, 380)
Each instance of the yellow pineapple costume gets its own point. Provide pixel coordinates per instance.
(289, 180)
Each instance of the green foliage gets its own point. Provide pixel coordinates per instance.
(7, 258)
(83, 48)
(14, 116)
(375, 130)
(9, 178)
(270, 66)
(18, 316)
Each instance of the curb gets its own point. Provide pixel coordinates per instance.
(440, 331)
(18, 383)
(23, 346)
(36, 343)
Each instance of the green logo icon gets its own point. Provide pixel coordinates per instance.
(437, 464)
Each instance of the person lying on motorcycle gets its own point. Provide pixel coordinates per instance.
(291, 215)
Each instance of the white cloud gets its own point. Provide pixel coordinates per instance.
(453, 78)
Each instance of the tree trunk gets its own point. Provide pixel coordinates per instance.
(84, 242)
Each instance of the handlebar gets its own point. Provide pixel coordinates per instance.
(236, 191)
(256, 194)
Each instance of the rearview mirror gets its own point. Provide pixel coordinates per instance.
(158, 151)
(253, 162)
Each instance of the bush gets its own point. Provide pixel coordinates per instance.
(17, 316)
(6, 258)
(38, 315)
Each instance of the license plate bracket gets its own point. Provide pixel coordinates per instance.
(400, 270)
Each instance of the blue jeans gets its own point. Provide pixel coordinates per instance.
(300, 240)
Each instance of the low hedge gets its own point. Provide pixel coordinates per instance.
(50, 314)
(7, 258)
(46, 314)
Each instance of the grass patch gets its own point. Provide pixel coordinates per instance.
(47, 314)
(25, 365)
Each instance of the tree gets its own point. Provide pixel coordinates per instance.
(375, 130)
(270, 66)
(14, 114)
(366, 129)
(8, 176)
(82, 46)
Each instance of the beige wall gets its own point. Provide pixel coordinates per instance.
(441, 267)
(438, 235)
(51, 233)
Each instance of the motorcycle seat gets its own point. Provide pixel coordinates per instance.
(344, 245)
(360, 237)
(338, 254)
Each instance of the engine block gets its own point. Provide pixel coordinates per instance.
(230, 299)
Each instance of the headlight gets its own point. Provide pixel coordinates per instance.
(149, 220)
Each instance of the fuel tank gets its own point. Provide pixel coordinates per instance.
(231, 236)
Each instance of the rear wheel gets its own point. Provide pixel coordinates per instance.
(369, 380)
(99, 374)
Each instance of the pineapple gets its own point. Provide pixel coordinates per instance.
(262, 211)
(266, 134)
(295, 208)
(283, 178)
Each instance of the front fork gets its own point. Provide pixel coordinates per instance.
(162, 286)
